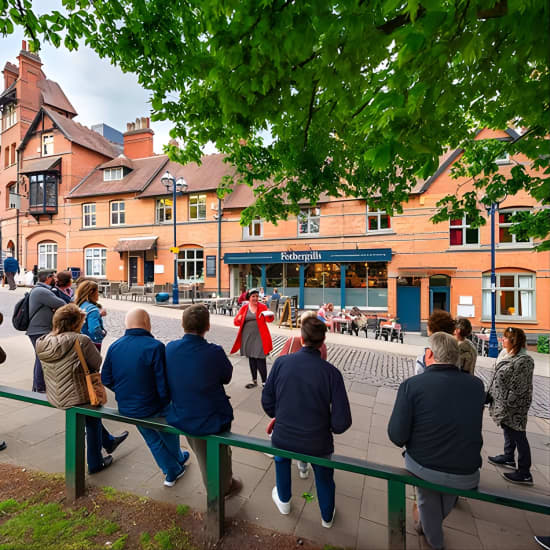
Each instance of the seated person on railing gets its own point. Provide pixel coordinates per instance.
(467, 352)
(135, 369)
(197, 371)
(439, 321)
(325, 313)
(308, 398)
(437, 417)
(65, 379)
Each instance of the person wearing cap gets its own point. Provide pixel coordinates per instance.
(253, 338)
(42, 305)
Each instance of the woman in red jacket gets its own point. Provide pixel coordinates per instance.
(253, 338)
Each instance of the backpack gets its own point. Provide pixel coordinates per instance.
(21, 318)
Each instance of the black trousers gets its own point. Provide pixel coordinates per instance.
(258, 365)
(514, 439)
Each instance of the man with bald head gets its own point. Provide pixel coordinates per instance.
(135, 369)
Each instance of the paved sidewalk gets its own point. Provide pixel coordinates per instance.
(35, 437)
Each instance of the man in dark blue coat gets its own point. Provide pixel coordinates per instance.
(135, 369)
(11, 267)
(307, 396)
(197, 371)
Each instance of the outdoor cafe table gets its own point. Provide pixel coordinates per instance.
(483, 338)
(389, 331)
(338, 322)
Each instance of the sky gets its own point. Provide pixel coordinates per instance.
(98, 91)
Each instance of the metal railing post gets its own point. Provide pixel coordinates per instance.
(214, 498)
(396, 515)
(75, 464)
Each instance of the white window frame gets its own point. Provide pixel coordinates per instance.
(96, 259)
(255, 226)
(161, 208)
(10, 116)
(199, 202)
(190, 265)
(504, 159)
(309, 216)
(47, 256)
(119, 212)
(378, 215)
(113, 174)
(517, 289)
(514, 241)
(47, 145)
(89, 214)
(464, 226)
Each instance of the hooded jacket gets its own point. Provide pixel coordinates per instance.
(63, 372)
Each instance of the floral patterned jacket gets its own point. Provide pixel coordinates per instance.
(511, 389)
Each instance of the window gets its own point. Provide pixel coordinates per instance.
(43, 193)
(164, 210)
(254, 230)
(197, 207)
(112, 174)
(47, 256)
(118, 213)
(309, 221)
(503, 158)
(515, 296)
(13, 197)
(504, 224)
(88, 215)
(96, 261)
(377, 220)
(190, 265)
(10, 116)
(12, 155)
(6, 157)
(461, 233)
(47, 144)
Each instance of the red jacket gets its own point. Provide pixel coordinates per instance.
(262, 326)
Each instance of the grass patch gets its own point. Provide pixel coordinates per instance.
(182, 509)
(170, 539)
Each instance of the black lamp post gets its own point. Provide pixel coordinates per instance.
(175, 187)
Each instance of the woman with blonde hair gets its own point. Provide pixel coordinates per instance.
(86, 297)
(65, 379)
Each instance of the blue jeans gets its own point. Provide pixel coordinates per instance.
(165, 448)
(324, 481)
(96, 438)
(38, 383)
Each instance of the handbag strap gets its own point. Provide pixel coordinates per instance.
(81, 356)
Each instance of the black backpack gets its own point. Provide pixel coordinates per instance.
(21, 318)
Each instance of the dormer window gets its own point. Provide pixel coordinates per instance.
(112, 174)
(47, 144)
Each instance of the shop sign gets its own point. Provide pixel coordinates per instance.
(310, 256)
(210, 266)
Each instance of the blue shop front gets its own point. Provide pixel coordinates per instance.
(346, 278)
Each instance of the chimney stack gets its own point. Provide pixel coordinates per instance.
(138, 139)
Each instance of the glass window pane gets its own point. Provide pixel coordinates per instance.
(507, 306)
(456, 236)
(504, 235)
(373, 223)
(385, 222)
(471, 236)
(506, 281)
(456, 222)
(525, 281)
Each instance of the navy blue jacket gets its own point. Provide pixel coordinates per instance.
(437, 416)
(11, 265)
(308, 397)
(135, 369)
(196, 371)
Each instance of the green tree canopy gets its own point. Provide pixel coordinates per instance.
(345, 97)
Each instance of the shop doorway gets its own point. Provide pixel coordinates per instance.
(440, 292)
(133, 270)
(408, 303)
(149, 271)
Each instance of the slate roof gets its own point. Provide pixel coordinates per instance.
(53, 95)
(40, 165)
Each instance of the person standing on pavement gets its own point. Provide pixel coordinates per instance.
(135, 369)
(439, 321)
(197, 371)
(86, 298)
(253, 338)
(11, 267)
(510, 394)
(42, 305)
(467, 352)
(437, 417)
(308, 398)
(62, 288)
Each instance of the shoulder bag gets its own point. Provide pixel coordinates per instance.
(96, 390)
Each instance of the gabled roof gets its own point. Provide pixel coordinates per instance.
(53, 95)
(8, 94)
(121, 161)
(144, 170)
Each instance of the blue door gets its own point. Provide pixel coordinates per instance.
(408, 307)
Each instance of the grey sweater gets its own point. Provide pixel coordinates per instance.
(42, 304)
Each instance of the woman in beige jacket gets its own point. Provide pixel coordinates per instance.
(65, 380)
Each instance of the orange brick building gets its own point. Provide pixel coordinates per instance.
(86, 204)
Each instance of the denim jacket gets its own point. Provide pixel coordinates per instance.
(93, 325)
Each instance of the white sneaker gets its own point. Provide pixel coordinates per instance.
(303, 469)
(284, 507)
(328, 524)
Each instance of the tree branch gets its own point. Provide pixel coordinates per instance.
(310, 115)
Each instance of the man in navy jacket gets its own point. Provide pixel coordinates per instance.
(11, 267)
(308, 398)
(135, 369)
(196, 371)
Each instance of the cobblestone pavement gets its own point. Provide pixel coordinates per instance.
(356, 364)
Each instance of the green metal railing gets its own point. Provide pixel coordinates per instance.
(397, 478)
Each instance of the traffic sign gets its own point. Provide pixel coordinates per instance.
(174, 249)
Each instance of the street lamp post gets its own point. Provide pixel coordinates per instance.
(175, 187)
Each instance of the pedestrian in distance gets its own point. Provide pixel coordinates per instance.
(439, 321)
(197, 371)
(65, 379)
(467, 352)
(437, 417)
(135, 369)
(275, 295)
(307, 397)
(510, 394)
(325, 313)
(42, 304)
(87, 298)
(253, 338)
(11, 267)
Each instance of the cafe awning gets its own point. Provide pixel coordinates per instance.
(136, 244)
